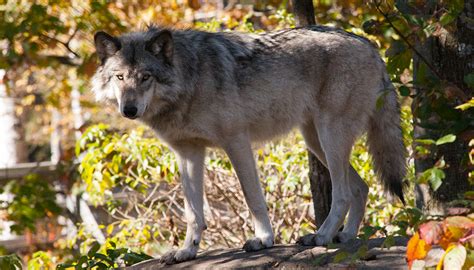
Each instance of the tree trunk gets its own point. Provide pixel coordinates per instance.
(319, 179)
(320, 183)
(12, 139)
(304, 12)
(452, 54)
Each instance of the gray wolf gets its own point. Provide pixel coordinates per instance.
(198, 90)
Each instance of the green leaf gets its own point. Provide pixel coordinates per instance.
(388, 242)
(469, 79)
(469, 258)
(447, 18)
(404, 91)
(399, 62)
(100, 266)
(368, 231)
(361, 252)
(103, 257)
(133, 258)
(433, 176)
(10, 262)
(115, 253)
(446, 139)
(397, 47)
(82, 260)
(404, 7)
(95, 247)
(436, 178)
(62, 266)
(436, 181)
(341, 256)
(319, 260)
(425, 141)
(455, 6)
(369, 25)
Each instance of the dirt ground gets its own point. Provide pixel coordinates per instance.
(340, 256)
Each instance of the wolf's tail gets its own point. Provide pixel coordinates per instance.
(386, 141)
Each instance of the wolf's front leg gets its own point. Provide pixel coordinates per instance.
(190, 161)
(239, 150)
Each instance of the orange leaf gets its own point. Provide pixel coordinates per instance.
(454, 229)
(416, 249)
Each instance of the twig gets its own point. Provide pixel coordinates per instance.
(405, 39)
(65, 44)
(72, 36)
(300, 220)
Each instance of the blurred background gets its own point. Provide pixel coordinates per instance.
(76, 177)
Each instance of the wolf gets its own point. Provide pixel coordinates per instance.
(197, 90)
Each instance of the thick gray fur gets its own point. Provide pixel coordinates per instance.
(228, 90)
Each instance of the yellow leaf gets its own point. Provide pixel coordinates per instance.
(146, 233)
(110, 229)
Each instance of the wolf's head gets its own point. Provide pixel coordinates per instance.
(134, 69)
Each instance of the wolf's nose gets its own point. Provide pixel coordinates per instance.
(130, 111)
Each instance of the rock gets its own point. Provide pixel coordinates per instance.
(355, 254)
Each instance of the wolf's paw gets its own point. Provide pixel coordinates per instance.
(177, 256)
(256, 244)
(343, 237)
(313, 239)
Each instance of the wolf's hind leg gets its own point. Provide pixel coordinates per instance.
(359, 190)
(239, 150)
(311, 138)
(358, 187)
(336, 144)
(190, 161)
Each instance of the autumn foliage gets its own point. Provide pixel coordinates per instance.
(454, 235)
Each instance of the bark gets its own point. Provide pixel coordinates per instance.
(320, 183)
(452, 54)
(319, 178)
(304, 12)
(12, 139)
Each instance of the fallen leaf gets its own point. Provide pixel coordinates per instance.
(434, 256)
(460, 221)
(455, 257)
(458, 210)
(431, 232)
(418, 265)
(416, 249)
(455, 228)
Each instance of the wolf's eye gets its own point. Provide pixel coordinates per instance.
(145, 77)
(120, 77)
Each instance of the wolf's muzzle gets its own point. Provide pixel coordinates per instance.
(130, 111)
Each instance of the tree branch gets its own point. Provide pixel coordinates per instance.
(65, 60)
(65, 44)
(405, 39)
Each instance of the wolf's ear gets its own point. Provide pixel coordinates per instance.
(161, 43)
(106, 45)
